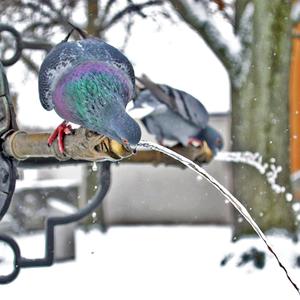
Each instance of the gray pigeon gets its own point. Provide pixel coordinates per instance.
(88, 82)
(175, 115)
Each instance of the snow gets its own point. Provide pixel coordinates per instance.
(61, 206)
(156, 263)
(200, 9)
(246, 36)
(47, 183)
(270, 170)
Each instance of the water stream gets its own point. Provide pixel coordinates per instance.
(242, 210)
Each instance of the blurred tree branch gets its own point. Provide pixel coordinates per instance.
(38, 21)
(31, 65)
(129, 9)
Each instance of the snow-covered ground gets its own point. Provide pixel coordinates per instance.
(156, 263)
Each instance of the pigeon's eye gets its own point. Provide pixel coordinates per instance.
(218, 142)
(125, 141)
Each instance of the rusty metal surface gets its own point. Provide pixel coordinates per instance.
(88, 146)
(81, 145)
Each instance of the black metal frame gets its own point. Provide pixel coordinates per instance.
(47, 260)
(8, 176)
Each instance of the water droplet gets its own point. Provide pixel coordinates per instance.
(199, 177)
(296, 206)
(288, 197)
(255, 160)
(94, 216)
(94, 167)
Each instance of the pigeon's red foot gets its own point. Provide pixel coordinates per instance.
(63, 129)
(193, 141)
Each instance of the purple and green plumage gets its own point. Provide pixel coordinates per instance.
(88, 82)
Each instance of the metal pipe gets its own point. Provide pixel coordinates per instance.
(199, 155)
(81, 145)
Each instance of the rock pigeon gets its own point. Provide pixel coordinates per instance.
(175, 115)
(88, 82)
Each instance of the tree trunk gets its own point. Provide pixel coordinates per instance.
(90, 177)
(260, 118)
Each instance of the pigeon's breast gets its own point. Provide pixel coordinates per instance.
(87, 88)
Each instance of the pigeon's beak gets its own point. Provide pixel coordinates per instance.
(205, 153)
(129, 147)
(119, 150)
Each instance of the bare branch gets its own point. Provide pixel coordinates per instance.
(108, 8)
(30, 64)
(128, 32)
(245, 34)
(63, 20)
(131, 8)
(239, 11)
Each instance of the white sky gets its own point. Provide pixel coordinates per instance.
(167, 53)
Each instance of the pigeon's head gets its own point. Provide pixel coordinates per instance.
(125, 130)
(213, 139)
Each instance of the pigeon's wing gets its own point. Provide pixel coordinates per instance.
(148, 102)
(67, 54)
(140, 113)
(188, 107)
(153, 128)
(102, 51)
(59, 59)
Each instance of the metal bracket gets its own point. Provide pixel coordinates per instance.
(8, 175)
(8, 171)
(21, 45)
(47, 260)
